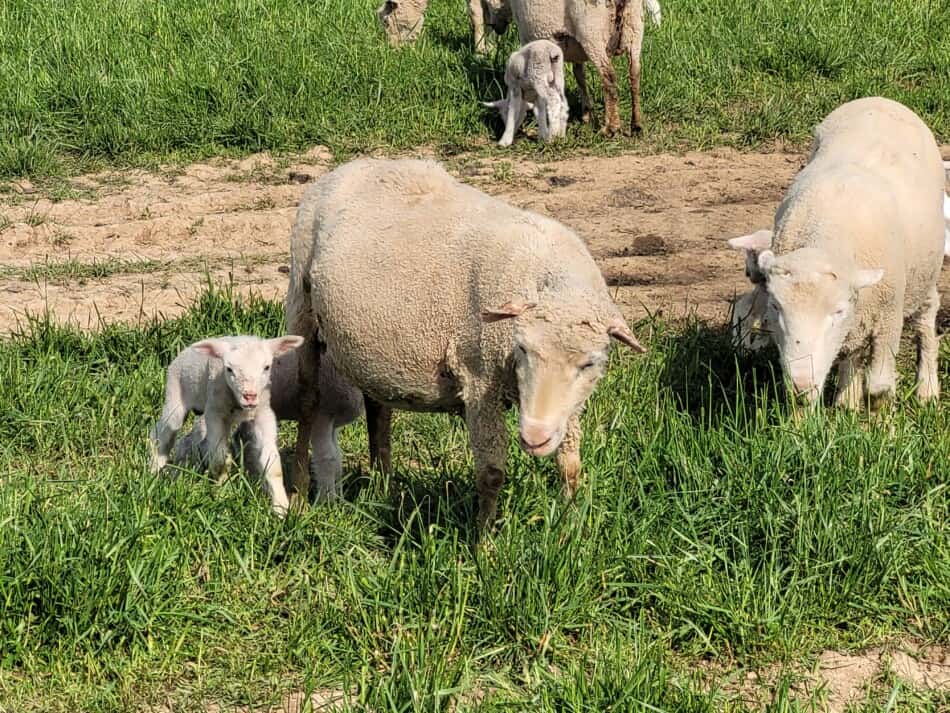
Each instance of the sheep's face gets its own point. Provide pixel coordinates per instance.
(557, 364)
(247, 364)
(813, 301)
(401, 20)
(752, 320)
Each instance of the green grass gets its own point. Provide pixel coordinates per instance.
(86, 82)
(710, 526)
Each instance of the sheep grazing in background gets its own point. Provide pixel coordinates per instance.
(858, 245)
(402, 20)
(227, 380)
(751, 320)
(433, 296)
(339, 405)
(592, 32)
(535, 80)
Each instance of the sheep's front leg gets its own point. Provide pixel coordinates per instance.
(569, 456)
(513, 116)
(928, 347)
(882, 374)
(580, 76)
(489, 441)
(327, 460)
(476, 17)
(611, 97)
(219, 454)
(850, 391)
(633, 68)
(379, 431)
(265, 440)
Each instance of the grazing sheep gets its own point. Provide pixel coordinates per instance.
(433, 296)
(227, 380)
(535, 80)
(858, 246)
(402, 20)
(592, 32)
(751, 320)
(339, 405)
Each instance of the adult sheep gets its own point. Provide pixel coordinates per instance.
(433, 296)
(857, 247)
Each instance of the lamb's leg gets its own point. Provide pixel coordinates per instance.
(308, 376)
(633, 67)
(569, 456)
(928, 347)
(327, 459)
(611, 97)
(850, 390)
(882, 374)
(379, 429)
(580, 77)
(190, 448)
(477, 19)
(161, 438)
(219, 454)
(513, 117)
(268, 462)
(489, 440)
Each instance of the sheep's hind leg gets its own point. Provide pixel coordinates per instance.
(327, 460)
(308, 377)
(928, 347)
(162, 436)
(580, 76)
(379, 430)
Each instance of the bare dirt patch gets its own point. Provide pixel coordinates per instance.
(657, 226)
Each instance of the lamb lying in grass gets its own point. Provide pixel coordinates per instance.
(339, 404)
(227, 380)
(535, 79)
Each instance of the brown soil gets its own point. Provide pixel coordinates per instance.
(656, 225)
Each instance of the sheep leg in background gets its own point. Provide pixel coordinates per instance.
(379, 430)
(633, 68)
(928, 347)
(308, 377)
(580, 76)
(850, 390)
(489, 441)
(569, 456)
(327, 459)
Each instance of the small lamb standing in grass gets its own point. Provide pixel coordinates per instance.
(858, 245)
(433, 296)
(339, 404)
(227, 380)
(535, 80)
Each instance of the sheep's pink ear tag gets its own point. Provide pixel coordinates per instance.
(508, 310)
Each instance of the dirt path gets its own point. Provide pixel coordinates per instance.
(127, 245)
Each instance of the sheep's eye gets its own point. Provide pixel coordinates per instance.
(230, 370)
(267, 368)
(586, 365)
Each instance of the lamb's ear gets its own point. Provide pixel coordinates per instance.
(282, 345)
(759, 240)
(866, 278)
(766, 261)
(621, 332)
(510, 309)
(499, 104)
(213, 347)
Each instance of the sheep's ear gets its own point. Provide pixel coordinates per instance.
(282, 345)
(507, 311)
(759, 240)
(866, 278)
(621, 332)
(213, 347)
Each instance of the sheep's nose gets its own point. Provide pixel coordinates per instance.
(536, 435)
(250, 397)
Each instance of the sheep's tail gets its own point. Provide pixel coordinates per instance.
(653, 9)
(298, 308)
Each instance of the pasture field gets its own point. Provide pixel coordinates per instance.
(89, 81)
(715, 552)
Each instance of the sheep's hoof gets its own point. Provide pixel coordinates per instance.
(610, 131)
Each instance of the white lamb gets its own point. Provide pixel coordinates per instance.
(858, 246)
(227, 380)
(339, 404)
(535, 80)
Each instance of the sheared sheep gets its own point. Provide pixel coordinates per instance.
(858, 245)
(339, 405)
(535, 80)
(227, 380)
(433, 296)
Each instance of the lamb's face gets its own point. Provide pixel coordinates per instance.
(813, 301)
(752, 320)
(553, 103)
(401, 20)
(247, 364)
